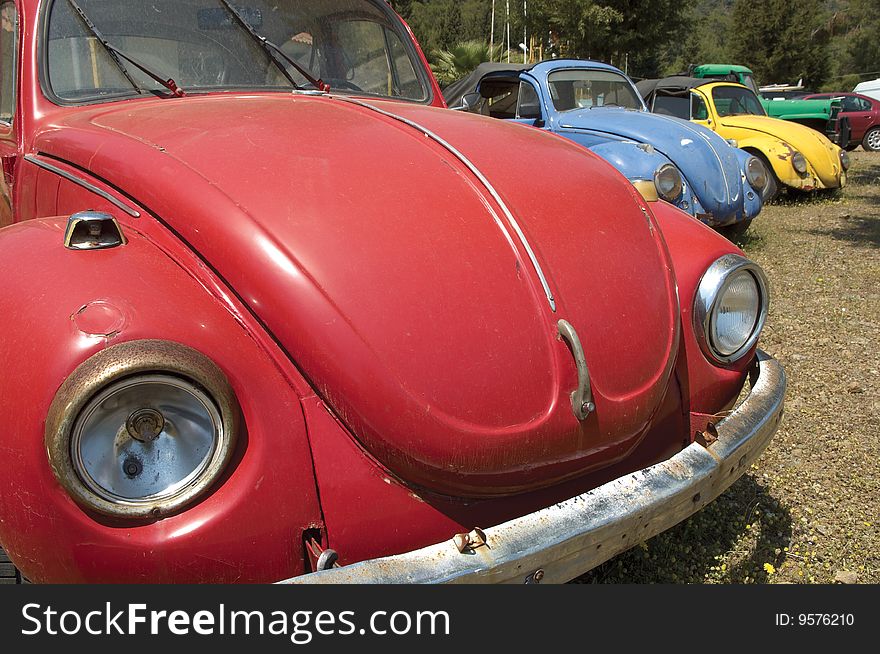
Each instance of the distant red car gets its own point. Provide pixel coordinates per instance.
(269, 314)
(863, 114)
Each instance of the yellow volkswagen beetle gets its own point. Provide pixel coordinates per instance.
(800, 158)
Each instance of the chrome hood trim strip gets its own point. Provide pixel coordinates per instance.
(81, 182)
(479, 175)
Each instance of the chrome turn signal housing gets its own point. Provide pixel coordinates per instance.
(92, 230)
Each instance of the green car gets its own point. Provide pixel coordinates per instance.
(821, 115)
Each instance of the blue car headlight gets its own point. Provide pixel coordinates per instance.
(756, 173)
(669, 183)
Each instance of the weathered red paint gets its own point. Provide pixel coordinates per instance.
(369, 512)
(709, 388)
(381, 325)
(489, 420)
(49, 536)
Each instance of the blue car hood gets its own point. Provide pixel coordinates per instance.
(706, 160)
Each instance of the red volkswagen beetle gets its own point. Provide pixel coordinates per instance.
(273, 313)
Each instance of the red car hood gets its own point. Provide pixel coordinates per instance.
(396, 284)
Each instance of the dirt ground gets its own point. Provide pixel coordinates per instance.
(809, 510)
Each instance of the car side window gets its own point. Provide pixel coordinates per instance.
(407, 78)
(699, 110)
(500, 98)
(374, 63)
(851, 104)
(529, 106)
(864, 105)
(8, 54)
(672, 105)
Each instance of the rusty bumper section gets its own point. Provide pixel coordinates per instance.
(563, 541)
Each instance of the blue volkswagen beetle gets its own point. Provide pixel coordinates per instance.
(598, 106)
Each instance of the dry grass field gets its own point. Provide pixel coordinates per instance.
(809, 510)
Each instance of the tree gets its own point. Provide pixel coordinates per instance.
(615, 31)
(438, 24)
(782, 40)
(703, 38)
(859, 47)
(461, 60)
(451, 27)
(402, 7)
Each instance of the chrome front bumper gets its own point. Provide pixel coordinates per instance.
(563, 541)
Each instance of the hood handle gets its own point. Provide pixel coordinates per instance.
(582, 399)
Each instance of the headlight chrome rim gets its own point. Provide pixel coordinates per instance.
(845, 160)
(709, 292)
(138, 361)
(675, 193)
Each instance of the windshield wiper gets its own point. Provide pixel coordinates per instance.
(274, 50)
(117, 55)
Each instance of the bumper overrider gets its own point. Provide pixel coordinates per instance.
(557, 544)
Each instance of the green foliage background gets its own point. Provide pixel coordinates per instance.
(830, 44)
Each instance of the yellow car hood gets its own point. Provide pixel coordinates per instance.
(823, 155)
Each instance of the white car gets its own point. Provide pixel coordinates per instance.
(871, 89)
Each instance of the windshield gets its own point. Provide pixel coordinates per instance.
(736, 101)
(354, 46)
(749, 80)
(582, 89)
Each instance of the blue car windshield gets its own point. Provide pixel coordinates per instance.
(354, 46)
(591, 89)
(736, 101)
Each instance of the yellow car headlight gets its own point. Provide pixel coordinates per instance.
(799, 162)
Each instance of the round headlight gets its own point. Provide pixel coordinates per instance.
(736, 313)
(669, 183)
(145, 440)
(142, 429)
(756, 173)
(799, 162)
(845, 160)
(731, 308)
